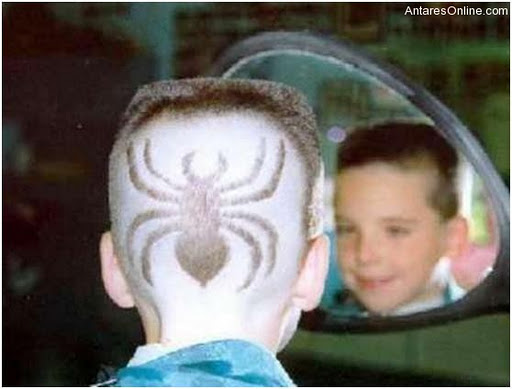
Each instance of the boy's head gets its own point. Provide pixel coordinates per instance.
(216, 211)
(397, 214)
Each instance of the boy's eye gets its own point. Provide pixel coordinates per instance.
(343, 229)
(397, 231)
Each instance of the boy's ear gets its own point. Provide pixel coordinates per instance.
(457, 237)
(113, 278)
(309, 287)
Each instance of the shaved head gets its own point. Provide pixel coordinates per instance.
(214, 185)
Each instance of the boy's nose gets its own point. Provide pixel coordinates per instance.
(365, 253)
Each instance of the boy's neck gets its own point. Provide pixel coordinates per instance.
(185, 332)
(179, 342)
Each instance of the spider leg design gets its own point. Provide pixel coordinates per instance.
(154, 237)
(143, 186)
(186, 164)
(268, 189)
(151, 168)
(141, 219)
(265, 226)
(255, 247)
(255, 171)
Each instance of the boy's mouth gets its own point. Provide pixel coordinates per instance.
(373, 283)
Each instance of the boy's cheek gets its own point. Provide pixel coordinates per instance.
(345, 253)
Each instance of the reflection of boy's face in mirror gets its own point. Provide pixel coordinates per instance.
(389, 237)
(392, 237)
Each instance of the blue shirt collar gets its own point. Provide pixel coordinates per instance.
(218, 363)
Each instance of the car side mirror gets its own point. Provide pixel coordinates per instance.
(350, 89)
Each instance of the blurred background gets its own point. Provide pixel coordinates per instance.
(69, 69)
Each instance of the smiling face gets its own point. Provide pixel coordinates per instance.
(389, 236)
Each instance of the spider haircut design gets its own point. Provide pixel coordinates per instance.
(198, 210)
(200, 249)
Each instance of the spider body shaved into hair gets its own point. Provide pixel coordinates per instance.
(199, 211)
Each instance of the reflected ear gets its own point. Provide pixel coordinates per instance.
(456, 237)
(112, 275)
(310, 283)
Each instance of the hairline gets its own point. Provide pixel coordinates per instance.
(203, 113)
(423, 161)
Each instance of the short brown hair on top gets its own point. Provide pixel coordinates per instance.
(408, 146)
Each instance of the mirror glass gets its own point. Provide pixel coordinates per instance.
(397, 248)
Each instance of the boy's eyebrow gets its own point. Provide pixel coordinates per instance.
(388, 219)
(338, 217)
(398, 219)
